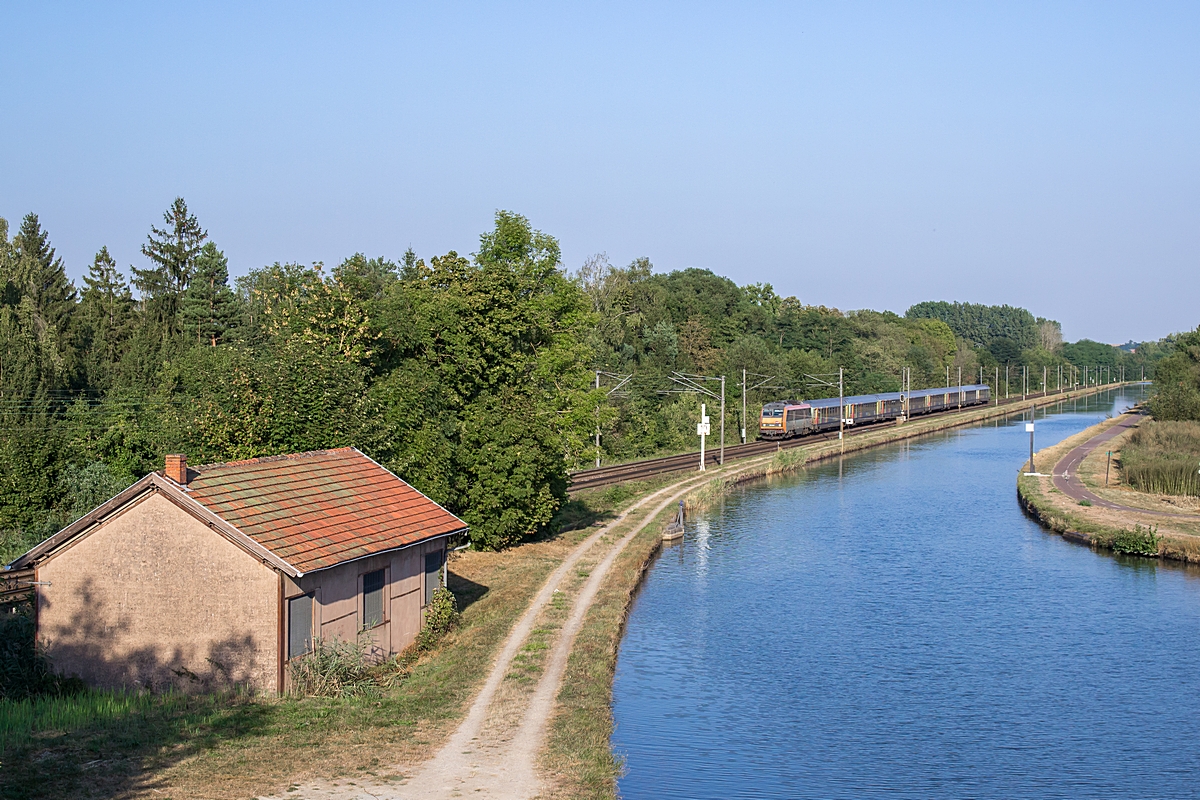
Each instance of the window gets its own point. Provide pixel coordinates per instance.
(373, 598)
(433, 578)
(300, 622)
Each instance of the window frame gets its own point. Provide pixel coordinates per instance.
(427, 593)
(364, 625)
(312, 617)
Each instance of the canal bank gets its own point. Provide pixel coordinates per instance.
(1081, 497)
(894, 626)
(579, 759)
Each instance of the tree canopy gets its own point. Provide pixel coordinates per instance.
(471, 376)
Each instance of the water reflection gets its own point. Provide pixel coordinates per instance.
(892, 625)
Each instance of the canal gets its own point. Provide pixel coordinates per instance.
(894, 626)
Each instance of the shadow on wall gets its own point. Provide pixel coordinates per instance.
(107, 650)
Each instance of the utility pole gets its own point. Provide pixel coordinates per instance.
(722, 420)
(998, 384)
(744, 406)
(1044, 380)
(702, 429)
(765, 383)
(1006, 381)
(960, 397)
(1024, 382)
(947, 376)
(617, 391)
(822, 380)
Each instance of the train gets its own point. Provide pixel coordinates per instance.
(785, 419)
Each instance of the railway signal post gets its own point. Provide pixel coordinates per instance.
(702, 428)
(1029, 427)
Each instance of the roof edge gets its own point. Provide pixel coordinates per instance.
(465, 527)
(446, 535)
(175, 494)
(97, 514)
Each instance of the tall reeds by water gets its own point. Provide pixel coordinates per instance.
(1163, 458)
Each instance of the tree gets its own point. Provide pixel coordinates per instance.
(36, 284)
(172, 251)
(208, 306)
(1177, 378)
(106, 315)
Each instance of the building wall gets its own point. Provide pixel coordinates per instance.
(338, 611)
(154, 598)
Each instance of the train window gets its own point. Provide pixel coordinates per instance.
(772, 412)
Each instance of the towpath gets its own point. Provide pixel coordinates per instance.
(1066, 471)
(493, 753)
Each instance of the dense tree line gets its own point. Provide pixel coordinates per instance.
(472, 377)
(1177, 377)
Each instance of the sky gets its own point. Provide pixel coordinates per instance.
(856, 155)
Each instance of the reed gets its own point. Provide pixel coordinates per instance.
(1163, 458)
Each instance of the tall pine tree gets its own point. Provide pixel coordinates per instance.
(172, 251)
(37, 287)
(106, 316)
(209, 305)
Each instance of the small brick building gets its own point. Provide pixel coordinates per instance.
(219, 575)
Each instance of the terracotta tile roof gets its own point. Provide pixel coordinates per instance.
(318, 509)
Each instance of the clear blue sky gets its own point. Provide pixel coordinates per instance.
(856, 155)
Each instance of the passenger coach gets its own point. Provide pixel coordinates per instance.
(785, 419)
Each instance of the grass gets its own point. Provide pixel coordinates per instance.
(578, 758)
(114, 744)
(1116, 529)
(103, 744)
(1162, 458)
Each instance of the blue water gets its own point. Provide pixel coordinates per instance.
(894, 626)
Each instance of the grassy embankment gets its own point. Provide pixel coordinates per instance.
(106, 744)
(579, 758)
(1129, 529)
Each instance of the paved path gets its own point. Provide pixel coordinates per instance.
(1066, 471)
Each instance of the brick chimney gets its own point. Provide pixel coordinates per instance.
(176, 468)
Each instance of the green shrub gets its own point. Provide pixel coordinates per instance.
(1163, 458)
(1138, 542)
(440, 618)
(1085, 502)
(24, 672)
(334, 668)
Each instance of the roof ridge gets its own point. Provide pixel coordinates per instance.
(281, 457)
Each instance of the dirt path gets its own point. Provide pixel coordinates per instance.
(1066, 471)
(494, 751)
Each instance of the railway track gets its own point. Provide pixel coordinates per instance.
(637, 470)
